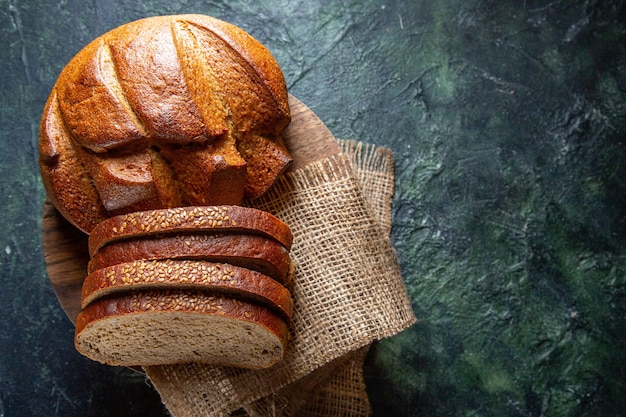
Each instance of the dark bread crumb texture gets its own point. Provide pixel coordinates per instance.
(164, 327)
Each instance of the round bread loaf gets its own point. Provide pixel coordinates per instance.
(247, 251)
(235, 219)
(163, 112)
(217, 278)
(169, 327)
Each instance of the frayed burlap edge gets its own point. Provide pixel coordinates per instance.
(374, 170)
(347, 289)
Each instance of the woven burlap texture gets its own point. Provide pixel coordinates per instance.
(335, 389)
(338, 388)
(347, 289)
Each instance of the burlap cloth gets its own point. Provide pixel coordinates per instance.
(348, 292)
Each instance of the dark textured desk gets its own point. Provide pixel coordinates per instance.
(507, 120)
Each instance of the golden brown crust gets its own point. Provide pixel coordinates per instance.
(190, 219)
(254, 110)
(93, 105)
(217, 278)
(124, 183)
(179, 306)
(210, 174)
(183, 91)
(266, 160)
(253, 252)
(66, 181)
(151, 75)
(256, 55)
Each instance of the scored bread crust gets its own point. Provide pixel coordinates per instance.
(247, 251)
(218, 278)
(156, 85)
(68, 185)
(169, 327)
(190, 219)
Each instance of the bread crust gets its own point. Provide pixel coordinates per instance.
(236, 219)
(247, 251)
(173, 88)
(161, 327)
(217, 278)
(67, 183)
(266, 160)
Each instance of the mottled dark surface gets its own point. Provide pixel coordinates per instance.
(507, 120)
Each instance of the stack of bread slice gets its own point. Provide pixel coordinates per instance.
(205, 284)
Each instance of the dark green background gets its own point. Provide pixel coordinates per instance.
(507, 120)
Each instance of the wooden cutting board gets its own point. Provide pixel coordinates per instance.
(65, 247)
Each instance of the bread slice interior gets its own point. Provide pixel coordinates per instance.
(169, 327)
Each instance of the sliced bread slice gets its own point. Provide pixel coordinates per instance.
(190, 219)
(218, 278)
(253, 252)
(169, 327)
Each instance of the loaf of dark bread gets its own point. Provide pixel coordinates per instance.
(165, 327)
(148, 119)
(217, 278)
(163, 112)
(234, 219)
